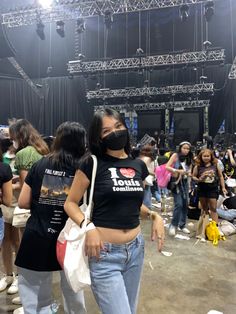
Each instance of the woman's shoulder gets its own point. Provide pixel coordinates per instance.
(27, 150)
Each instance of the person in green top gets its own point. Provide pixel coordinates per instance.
(30, 147)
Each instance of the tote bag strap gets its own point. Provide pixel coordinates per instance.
(89, 206)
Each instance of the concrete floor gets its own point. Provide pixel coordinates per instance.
(197, 278)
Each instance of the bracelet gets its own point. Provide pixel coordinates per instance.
(174, 170)
(149, 214)
(90, 226)
(81, 224)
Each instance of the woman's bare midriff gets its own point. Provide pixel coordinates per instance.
(118, 236)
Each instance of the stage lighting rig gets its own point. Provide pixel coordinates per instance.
(209, 10)
(158, 105)
(60, 28)
(150, 91)
(72, 10)
(142, 62)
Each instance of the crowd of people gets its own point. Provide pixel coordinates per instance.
(51, 182)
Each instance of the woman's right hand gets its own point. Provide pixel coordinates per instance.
(93, 244)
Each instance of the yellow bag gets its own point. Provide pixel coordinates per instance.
(213, 233)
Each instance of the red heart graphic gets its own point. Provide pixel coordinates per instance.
(127, 172)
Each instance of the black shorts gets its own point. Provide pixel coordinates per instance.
(208, 193)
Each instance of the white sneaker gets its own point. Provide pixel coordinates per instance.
(20, 310)
(184, 230)
(16, 301)
(172, 231)
(14, 286)
(5, 282)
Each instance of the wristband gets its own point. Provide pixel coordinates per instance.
(90, 226)
(174, 170)
(81, 224)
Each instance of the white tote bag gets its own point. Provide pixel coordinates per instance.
(71, 242)
(20, 217)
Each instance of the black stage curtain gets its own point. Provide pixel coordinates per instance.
(64, 100)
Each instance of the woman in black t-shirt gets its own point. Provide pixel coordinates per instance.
(115, 246)
(6, 191)
(44, 192)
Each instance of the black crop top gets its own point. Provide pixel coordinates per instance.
(118, 191)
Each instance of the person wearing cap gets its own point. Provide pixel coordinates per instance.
(179, 165)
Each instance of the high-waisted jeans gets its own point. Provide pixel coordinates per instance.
(116, 276)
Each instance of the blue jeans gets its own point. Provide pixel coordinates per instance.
(116, 276)
(147, 197)
(180, 207)
(229, 214)
(35, 289)
(1, 230)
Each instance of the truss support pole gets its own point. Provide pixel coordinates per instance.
(167, 121)
(206, 121)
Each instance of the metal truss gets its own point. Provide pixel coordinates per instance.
(232, 72)
(20, 70)
(157, 106)
(69, 10)
(116, 65)
(128, 92)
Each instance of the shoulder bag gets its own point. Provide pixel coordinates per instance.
(71, 241)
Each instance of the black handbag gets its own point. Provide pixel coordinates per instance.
(172, 184)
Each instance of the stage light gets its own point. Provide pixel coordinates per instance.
(203, 79)
(207, 44)
(108, 19)
(139, 52)
(80, 26)
(81, 56)
(209, 10)
(184, 12)
(45, 4)
(40, 30)
(60, 28)
(146, 83)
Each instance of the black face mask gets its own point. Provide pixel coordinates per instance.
(116, 140)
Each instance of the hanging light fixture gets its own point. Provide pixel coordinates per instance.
(60, 28)
(209, 10)
(184, 12)
(40, 29)
(108, 19)
(80, 25)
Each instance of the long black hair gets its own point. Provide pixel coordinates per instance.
(188, 158)
(95, 130)
(69, 144)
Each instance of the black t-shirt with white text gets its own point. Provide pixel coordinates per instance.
(118, 191)
(5, 176)
(50, 187)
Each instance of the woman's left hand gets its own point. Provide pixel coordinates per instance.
(225, 192)
(158, 230)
